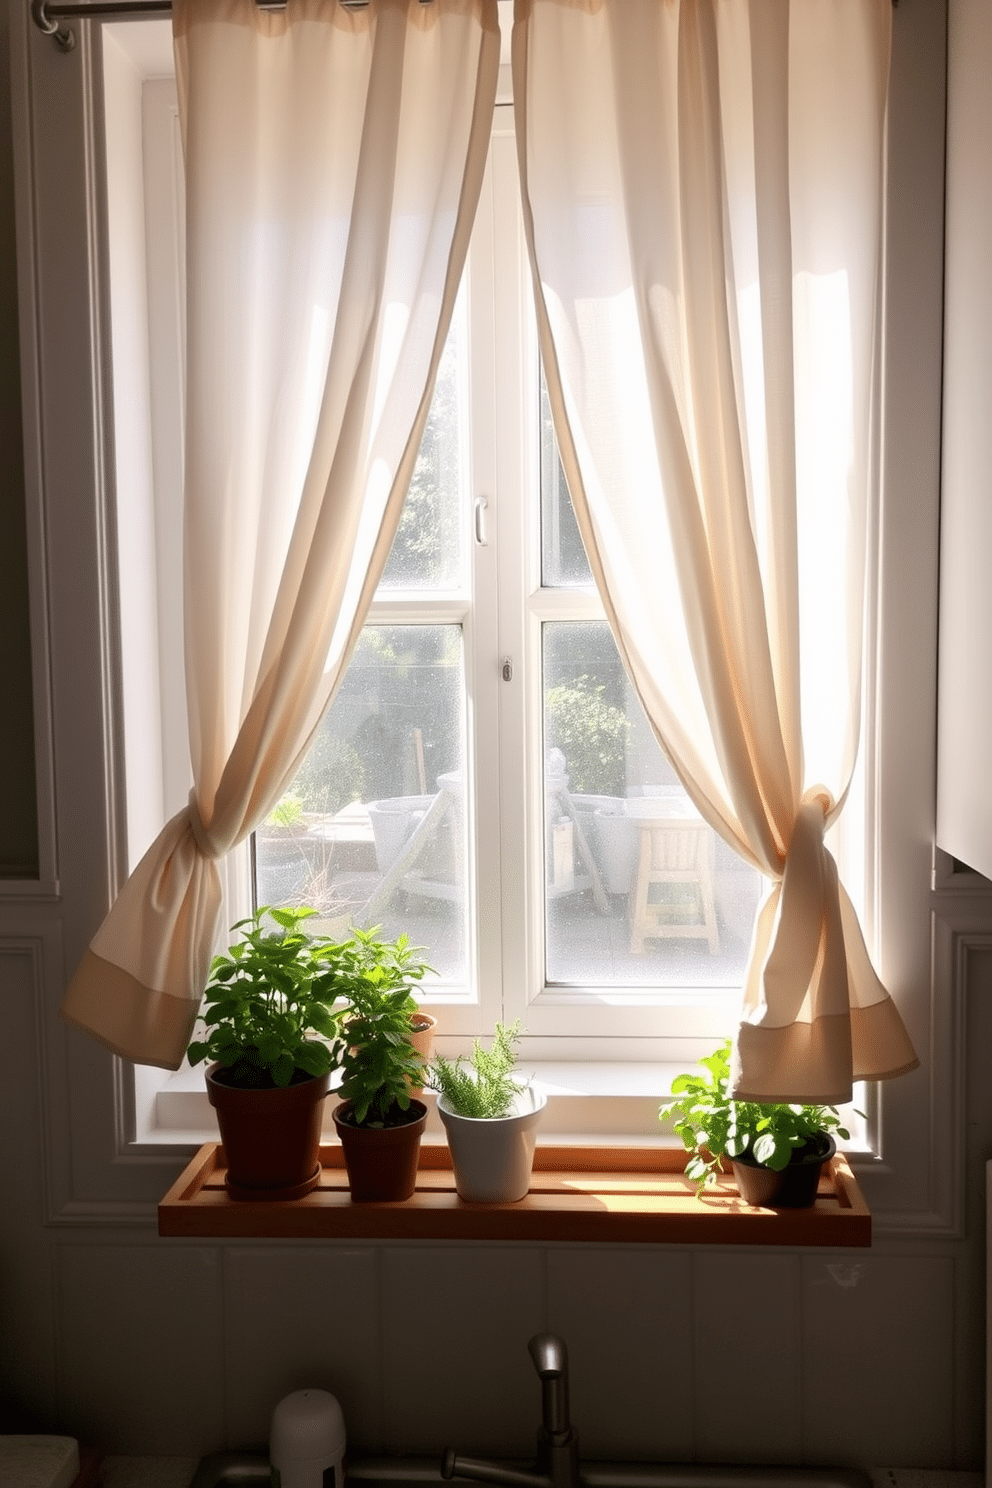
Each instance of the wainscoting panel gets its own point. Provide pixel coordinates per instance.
(141, 1358)
(27, 1311)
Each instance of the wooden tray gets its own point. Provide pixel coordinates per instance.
(577, 1193)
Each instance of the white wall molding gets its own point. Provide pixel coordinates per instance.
(961, 926)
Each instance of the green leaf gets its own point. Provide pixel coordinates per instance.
(282, 1070)
(314, 1058)
(323, 1022)
(270, 1048)
(773, 1152)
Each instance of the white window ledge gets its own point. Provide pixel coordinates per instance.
(589, 1103)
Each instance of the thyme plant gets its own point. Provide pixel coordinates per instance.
(486, 1089)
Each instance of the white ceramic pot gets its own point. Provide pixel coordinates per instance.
(492, 1159)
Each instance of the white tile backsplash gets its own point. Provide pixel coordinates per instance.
(301, 1317)
(878, 1358)
(747, 1356)
(625, 1313)
(676, 1353)
(455, 1366)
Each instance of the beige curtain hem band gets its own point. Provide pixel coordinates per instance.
(824, 1057)
(776, 1063)
(880, 1043)
(131, 1020)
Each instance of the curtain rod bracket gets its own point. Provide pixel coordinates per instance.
(64, 39)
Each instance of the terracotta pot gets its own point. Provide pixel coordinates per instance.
(492, 1158)
(794, 1186)
(422, 1027)
(271, 1138)
(381, 1160)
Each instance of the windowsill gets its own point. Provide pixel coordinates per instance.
(589, 1104)
(577, 1194)
(586, 1102)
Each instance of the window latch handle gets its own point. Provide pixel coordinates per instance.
(481, 507)
(507, 668)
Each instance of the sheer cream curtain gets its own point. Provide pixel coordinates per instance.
(333, 163)
(702, 194)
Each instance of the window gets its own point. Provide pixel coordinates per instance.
(73, 574)
(485, 779)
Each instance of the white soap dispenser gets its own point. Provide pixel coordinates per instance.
(307, 1441)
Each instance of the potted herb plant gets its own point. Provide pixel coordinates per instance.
(380, 1121)
(777, 1151)
(273, 1037)
(490, 1120)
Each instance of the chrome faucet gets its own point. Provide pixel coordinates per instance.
(557, 1463)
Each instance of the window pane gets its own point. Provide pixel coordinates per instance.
(563, 558)
(427, 551)
(372, 830)
(639, 891)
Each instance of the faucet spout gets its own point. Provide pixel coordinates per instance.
(453, 1466)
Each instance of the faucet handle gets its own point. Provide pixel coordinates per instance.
(550, 1355)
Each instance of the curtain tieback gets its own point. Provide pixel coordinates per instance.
(808, 938)
(204, 843)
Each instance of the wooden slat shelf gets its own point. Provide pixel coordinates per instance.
(577, 1193)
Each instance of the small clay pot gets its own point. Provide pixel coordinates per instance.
(794, 1186)
(422, 1026)
(271, 1138)
(381, 1161)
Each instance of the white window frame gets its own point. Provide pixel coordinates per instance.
(95, 1160)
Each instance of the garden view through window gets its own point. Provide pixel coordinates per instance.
(388, 815)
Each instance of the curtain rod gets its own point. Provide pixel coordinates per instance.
(46, 16)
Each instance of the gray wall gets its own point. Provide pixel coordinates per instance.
(18, 828)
